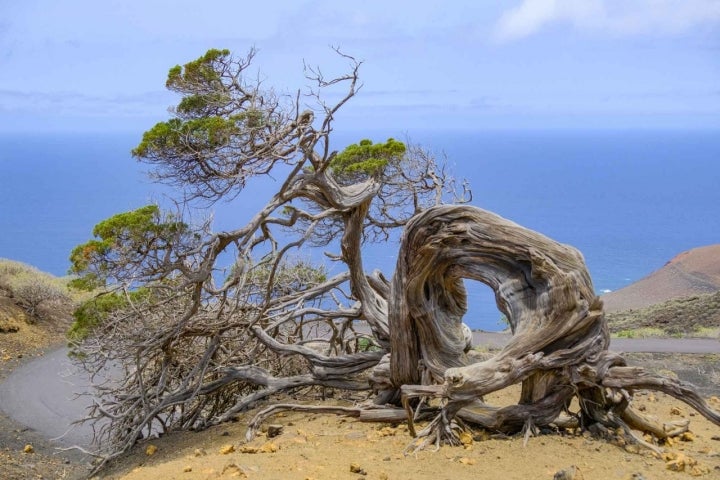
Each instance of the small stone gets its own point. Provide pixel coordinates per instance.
(467, 461)
(269, 447)
(571, 473)
(676, 411)
(687, 437)
(355, 468)
(28, 449)
(387, 432)
(187, 469)
(679, 462)
(675, 465)
(227, 449)
(233, 470)
(151, 450)
(200, 452)
(632, 448)
(466, 438)
(274, 430)
(249, 449)
(698, 471)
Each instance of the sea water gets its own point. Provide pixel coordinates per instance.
(628, 200)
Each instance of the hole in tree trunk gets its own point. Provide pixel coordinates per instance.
(482, 313)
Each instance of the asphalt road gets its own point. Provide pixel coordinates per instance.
(42, 394)
(495, 340)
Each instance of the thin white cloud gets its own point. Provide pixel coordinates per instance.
(620, 17)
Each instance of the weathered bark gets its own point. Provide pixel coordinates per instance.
(560, 337)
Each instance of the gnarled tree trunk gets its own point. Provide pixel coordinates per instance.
(559, 348)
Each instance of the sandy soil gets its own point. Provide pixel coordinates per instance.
(315, 446)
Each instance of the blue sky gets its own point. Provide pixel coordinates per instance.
(89, 65)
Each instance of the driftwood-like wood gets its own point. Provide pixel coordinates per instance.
(559, 348)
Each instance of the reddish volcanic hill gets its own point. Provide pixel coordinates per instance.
(696, 271)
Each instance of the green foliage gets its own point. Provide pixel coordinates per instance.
(366, 159)
(686, 316)
(178, 136)
(365, 344)
(202, 71)
(644, 332)
(92, 313)
(201, 83)
(209, 114)
(290, 276)
(128, 234)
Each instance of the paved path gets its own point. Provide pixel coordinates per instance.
(495, 340)
(42, 394)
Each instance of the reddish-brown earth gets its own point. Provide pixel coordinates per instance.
(694, 272)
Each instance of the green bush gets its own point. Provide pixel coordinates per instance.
(92, 313)
(685, 316)
(42, 296)
(365, 344)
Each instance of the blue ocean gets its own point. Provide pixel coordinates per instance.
(628, 200)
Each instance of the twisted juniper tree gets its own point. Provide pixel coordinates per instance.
(196, 326)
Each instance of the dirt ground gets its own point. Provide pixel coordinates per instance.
(318, 447)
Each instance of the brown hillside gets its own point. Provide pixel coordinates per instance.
(694, 272)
